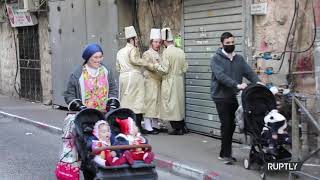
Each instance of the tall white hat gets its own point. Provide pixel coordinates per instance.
(130, 32)
(166, 34)
(155, 34)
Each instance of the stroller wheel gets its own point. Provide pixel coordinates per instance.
(246, 163)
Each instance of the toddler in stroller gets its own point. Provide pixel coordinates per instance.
(130, 135)
(102, 137)
(112, 166)
(262, 122)
(274, 131)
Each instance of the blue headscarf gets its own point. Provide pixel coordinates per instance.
(90, 50)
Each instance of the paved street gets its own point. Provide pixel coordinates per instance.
(28, 153)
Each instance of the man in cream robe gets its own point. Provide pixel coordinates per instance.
(152, 81)
(173, 67)
(131, 81)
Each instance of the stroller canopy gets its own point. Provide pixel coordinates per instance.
(85, 120)
(257, 101)
(121, 113)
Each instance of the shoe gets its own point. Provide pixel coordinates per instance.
(143, 131)
(233, 159)
(152, 132)
(149, 158)
(226, 160)
(161, 130)
(176, 132)
(185, 130)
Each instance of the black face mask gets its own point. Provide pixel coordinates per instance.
(229, 48)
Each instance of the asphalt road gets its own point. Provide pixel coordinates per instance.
(29, 153)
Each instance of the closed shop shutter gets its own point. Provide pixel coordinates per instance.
(204, 21)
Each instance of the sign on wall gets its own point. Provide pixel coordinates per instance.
(18, 18)
(259, 9)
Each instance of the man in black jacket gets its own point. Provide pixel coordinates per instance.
(228, 70)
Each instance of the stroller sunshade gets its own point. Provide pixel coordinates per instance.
(86, 119)
(257, 101)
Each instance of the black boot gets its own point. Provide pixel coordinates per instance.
(139, 118)
(185, 130)
(176, 132)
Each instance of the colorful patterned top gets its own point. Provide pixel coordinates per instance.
(96, 89)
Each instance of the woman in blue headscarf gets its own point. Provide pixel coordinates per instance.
(91, 84)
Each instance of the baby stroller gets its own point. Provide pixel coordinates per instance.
(84, 123)
(257, 102)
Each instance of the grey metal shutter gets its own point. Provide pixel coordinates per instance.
(204, 21)
(73, 24)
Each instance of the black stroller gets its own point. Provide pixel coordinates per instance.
(84, 123)
(257, 101)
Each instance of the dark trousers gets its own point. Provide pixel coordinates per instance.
(139, 119)
(177, 124)
(226, 111)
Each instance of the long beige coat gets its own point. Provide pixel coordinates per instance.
(131, 81)
(152, 82)
(173, 66)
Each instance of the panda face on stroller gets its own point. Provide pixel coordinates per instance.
(275, 122)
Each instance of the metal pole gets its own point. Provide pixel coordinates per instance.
(310, 117)
(295, 132)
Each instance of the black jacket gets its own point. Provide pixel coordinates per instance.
(226, 75)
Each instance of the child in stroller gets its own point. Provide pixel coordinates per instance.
(274, 131)
(102, 137)
(85, 121)
(261, 120)
(130, 135)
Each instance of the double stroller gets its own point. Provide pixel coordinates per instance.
(257, 102)
(84, 124)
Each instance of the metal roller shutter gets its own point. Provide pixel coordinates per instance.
(203, 23)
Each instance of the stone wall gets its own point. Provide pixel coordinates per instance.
(8, 60)
(45, 59)
(166, 13)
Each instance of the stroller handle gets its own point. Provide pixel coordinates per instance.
(121, 147)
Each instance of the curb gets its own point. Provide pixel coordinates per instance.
(46, 127)
(185, 170)
(161, 163)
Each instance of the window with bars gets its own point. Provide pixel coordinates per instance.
(29, 62)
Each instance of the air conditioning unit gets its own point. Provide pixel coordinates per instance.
(29, 5)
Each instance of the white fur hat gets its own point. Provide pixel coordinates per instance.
(166, 34)
(274, 116)
(155, 34)
(130, 32)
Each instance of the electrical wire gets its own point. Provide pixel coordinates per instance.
(314, 35)
(287, 40)
(303, 51)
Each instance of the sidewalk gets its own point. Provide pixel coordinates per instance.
(191, 155)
